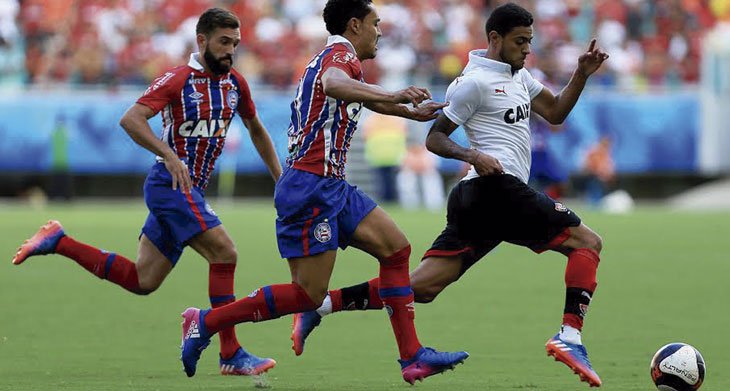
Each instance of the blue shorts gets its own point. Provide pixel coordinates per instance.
(315, 213)
(175, 217)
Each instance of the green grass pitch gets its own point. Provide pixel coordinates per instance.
(663, 278)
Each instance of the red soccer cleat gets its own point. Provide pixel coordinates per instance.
(43, 242)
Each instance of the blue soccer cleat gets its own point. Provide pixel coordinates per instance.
(194, 339)
(41, 243)
(575, 357)
(302, 326)
(244, 363)
(428, 362)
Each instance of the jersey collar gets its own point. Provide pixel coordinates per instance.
(477, 58)
(333, 39)
(195, 63)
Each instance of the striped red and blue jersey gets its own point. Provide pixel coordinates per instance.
(321, 126)
(197, 109)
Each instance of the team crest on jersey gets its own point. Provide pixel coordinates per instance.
(560, 207)
(343, 57)
(323, 232)
(232, 99)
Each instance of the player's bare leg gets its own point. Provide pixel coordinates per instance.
(378, 235)
(433, 275)
(582, 247)
(217, 247)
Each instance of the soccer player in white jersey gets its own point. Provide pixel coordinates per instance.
(493, 100)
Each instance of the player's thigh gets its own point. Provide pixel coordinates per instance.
(378, 235)
(215, 245)
(434, 274)
(313, 273)
(152, 266)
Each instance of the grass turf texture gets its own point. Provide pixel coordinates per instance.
(663, 279)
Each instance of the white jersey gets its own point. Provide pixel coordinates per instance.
(493, 106)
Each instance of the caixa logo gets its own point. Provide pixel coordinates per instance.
(517, 114)
(204, 128)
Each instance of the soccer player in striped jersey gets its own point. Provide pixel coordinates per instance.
(492, 100)
(318, 211)
(198, 102)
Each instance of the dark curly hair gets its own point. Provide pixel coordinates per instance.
(338, 12)
(506, 17)
(214, 18)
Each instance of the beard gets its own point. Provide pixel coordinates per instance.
(216, 65)
(515, 66)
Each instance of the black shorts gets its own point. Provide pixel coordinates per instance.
(485, 211)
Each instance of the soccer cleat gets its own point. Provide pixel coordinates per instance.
(41, 243)
(302, 326)
(427, 362)
(575, 357)
(244, 363)
(194, 339)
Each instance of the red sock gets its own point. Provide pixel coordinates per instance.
(103, 264)
(265, 303)
(580, 283)
(220, 291)
(397, 296)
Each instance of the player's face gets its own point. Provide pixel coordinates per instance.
(516, 47)
(218, 49)
(370, 35)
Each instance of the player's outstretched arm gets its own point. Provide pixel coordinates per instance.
(264, 146)
(134, 122)
(556, 108)
(423, 112)
(337, 84)
(438, 142)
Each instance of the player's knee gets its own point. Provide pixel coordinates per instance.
(595, 243)
(147, 285)
(425, 293)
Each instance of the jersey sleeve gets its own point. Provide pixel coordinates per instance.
(159, 93)
(464, 98)
(344, 60)
(246, 108)
(534, 87)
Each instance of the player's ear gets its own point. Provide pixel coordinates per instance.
(494, 38)
(202, 40)
(354, 24)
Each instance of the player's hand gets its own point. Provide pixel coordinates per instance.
(591, 60)
(426, 111)
(412, 95)
(485, 164)
(180, 174)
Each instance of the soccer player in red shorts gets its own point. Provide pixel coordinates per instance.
(198, 102)
(492, 100)
(318, 211)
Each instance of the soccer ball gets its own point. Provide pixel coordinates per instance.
(677, 367)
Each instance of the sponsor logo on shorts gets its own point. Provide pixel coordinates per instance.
(560, 207)
(209, 209)
(323, 232)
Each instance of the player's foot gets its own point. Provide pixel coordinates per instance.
(194, 339)
(302, 326)
(575, 357)
(429, 362)
(244, 363)
(43, 242)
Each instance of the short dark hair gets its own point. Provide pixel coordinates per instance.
(506, 17)
(338, 12)
(214, 18)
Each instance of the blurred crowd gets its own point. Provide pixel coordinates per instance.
(119, 42)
